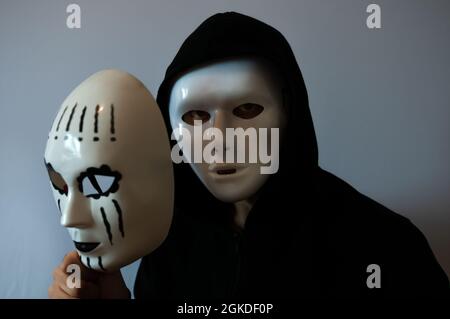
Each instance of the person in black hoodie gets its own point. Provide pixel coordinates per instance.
(308, 234)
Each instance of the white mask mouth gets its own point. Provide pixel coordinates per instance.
(226, 169)
(85, 247)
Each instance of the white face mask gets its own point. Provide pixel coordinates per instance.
(108, 158)
(239, 93)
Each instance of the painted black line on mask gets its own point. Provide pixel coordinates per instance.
(113, 129)
(95, 184)
(119, 212)
(70, 117)
(97, 110)
(60, 119)
(107, 225)
(88, 262)
(59, 205)
(103, 170)
(82, 119)
(100, 263)
(112, 119)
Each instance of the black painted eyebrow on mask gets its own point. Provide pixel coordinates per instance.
(82, 116)
(83, 113)
(71, 117)
(112, 128)
(61, 117)
(97, 110)
(112, 124)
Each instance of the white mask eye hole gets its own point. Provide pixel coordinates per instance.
(97, 182)
(104, 184)
(57, 180)
(248, 110)
(196, 115)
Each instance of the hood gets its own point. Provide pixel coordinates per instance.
(227, 35)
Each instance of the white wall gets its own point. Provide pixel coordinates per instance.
(379, 99)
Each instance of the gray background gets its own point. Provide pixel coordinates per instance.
(379, 100)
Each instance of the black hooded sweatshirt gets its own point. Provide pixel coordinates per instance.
(309, 234)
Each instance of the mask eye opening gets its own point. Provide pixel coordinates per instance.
(195, 115)
(248, 110)
(56, 179)
(96, 182)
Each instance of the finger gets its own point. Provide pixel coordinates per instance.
(86, 289)
(73, 258)
(70, 258)
(55, 292)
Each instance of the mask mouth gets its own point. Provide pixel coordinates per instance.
(225, 169)
(85, 247)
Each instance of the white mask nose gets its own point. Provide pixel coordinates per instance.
(76, 214)
(220, 120)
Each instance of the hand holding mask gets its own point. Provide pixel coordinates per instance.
(108, 159)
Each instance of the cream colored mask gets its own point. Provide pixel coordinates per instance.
(108, 158)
